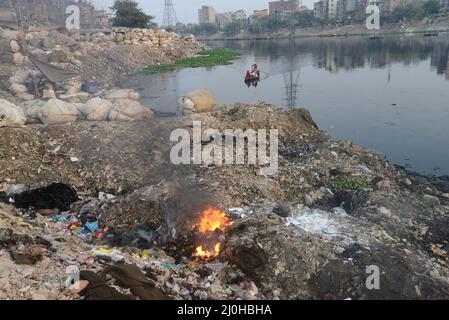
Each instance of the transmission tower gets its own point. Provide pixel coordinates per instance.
(170, 19)
(291, 87)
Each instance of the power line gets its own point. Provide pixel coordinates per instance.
(170, 19)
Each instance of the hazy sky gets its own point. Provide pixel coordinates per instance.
(187, 10)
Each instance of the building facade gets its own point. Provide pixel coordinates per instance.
(34, 13)
(102, 19)
(332, 8)
(222, 19)
(207, 14)
(320, 9)
(262, 13)
(284, 6)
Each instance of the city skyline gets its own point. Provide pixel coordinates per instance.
(187, 10)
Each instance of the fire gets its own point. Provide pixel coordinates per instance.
(203, 254)
(211, 220)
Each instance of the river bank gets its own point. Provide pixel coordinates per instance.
(122, 213)
(332, 209)
(440, 24)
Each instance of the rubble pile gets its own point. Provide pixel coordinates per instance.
(97, 58)
(307, 232)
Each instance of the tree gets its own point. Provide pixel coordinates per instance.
(232, 28)
(255, 27)
(431, 7)
(406, 11)
(204, 28)
(129, 15)
(304, 19)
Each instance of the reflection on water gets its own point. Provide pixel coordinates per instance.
(390, 94)
(334, 54)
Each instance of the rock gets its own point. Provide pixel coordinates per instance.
(48, 94)
(14, 45)
(308, 200)
(407, 182)
(282, 210)
(18, 58)
(11, 115)
(72, 89)
(96, 109)
(129, 110)
(384, 184)
(58, 111)
(18, 88)
(20, 77)
(384, 211)
(197, 101)
(431, 200)
(59, 56)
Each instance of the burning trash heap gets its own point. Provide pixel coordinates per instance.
(308, 232)
(210, 231)
(77, 237)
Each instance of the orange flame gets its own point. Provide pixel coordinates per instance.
(201, 253)
(210, 221)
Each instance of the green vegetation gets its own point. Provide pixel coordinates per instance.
(349, 183)
(128, 14)
(408, 11)
(198, 29)
(208, 58)
(431, 7)
(232, 28)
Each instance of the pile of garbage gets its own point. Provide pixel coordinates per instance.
(56, 254)
(308, 231)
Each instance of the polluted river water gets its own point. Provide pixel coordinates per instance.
(390, 94)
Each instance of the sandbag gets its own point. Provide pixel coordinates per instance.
(129, 110)
(197, 102)
(122, 94)
(31, 110)
(57, 111)
(11, 115)
(96, 109)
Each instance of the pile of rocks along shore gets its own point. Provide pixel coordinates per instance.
(99, 57)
